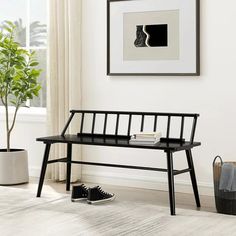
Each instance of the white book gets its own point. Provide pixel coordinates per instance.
(144, 139)
(145, 142)
(147, 134)
(149, 137)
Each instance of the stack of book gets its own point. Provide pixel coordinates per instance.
(145, 138)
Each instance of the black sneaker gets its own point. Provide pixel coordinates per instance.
(79, 192)
(96, 195)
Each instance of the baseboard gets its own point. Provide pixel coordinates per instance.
(146, 182)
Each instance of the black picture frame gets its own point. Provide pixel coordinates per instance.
(121, 73)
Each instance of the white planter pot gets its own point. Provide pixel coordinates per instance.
(13, 167)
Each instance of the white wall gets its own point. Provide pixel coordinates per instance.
(30, 125)
(212, 95)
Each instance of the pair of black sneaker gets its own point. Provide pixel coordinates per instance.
(92, 195)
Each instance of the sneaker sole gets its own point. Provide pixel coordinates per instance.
(100, 201)
(78, 199)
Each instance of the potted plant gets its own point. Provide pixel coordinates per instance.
(18, 84)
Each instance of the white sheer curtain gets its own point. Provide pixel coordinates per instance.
(64, 91)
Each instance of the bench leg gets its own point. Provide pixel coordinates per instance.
(68, 166)
(43, 169)
(171, 182)
(193, 177)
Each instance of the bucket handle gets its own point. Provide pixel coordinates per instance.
(215, 160)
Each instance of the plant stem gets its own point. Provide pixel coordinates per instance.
(10, 130)
(7, 124)
(14, 119)
(6, 104)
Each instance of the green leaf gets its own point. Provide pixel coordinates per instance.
(13, 102)
(19, 66)
(34, 63)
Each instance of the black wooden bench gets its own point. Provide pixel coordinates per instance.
(104, 137)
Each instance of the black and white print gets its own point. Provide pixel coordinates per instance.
(151, 35)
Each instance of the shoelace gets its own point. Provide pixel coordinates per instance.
(84, 187)
(103, 192)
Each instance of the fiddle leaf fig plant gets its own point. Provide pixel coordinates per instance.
(18, 75)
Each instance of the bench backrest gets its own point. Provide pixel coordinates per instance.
(152, 118)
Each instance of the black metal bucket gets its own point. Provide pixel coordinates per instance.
(225, 201)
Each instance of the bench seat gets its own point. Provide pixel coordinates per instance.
(116, 142)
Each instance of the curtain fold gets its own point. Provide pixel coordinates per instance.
(64, 87)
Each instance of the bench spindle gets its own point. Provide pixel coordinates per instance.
(182, 128)
(168, 127)
(155, 124)
(117, 123)
(193, 129)
(67, 124)
(93, 124)
(105, 124)
(129, 124)
(142, 123)
(82, 123)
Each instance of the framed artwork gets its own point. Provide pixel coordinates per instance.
(153, 37)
